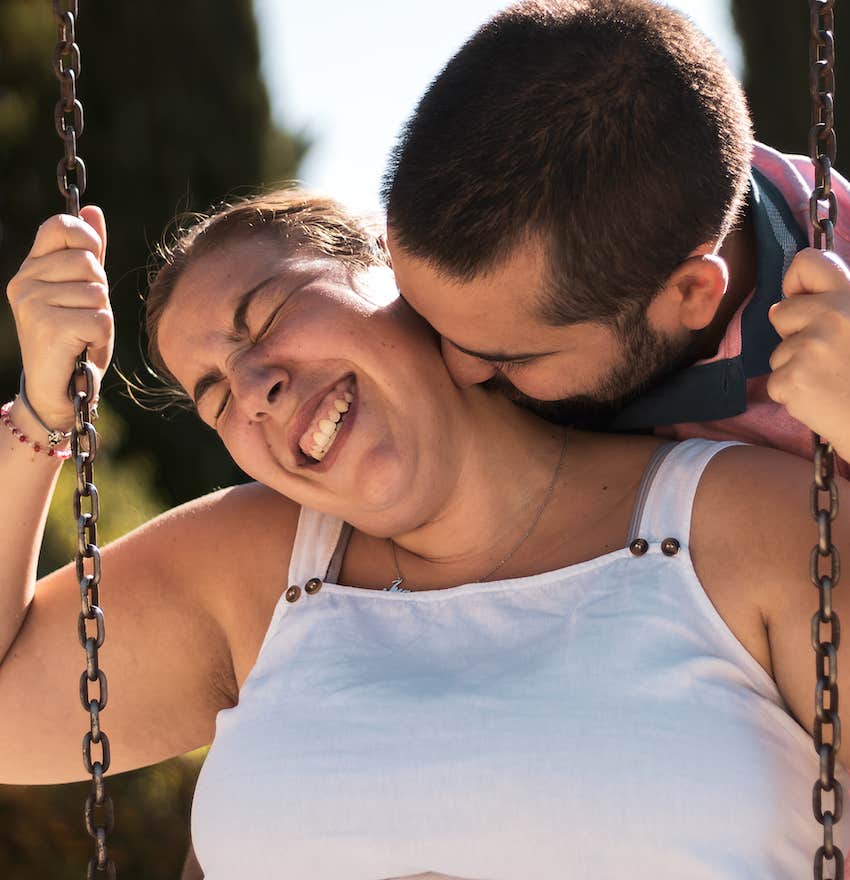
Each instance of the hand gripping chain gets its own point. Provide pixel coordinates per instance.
(822, 150)
(71, 178)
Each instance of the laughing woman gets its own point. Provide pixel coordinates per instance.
(437, 634)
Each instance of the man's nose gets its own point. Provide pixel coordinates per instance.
(465, 369)
(259, 389)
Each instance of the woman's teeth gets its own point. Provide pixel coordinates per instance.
(330, 415)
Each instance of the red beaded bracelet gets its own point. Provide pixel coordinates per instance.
(60, 454)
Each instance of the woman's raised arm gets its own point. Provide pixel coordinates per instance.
(179, 633)
(60, 302)
(187, 598)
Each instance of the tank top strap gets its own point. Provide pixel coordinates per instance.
(315, 542)
(666, 499)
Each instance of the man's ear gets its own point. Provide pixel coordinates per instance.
(701, 282)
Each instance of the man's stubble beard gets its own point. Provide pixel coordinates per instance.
(648, 359)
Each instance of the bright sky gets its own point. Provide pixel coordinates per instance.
(349, 73)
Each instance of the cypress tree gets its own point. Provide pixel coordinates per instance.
(775, 39)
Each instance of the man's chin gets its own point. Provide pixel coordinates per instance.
(647, 361)
(579, 412)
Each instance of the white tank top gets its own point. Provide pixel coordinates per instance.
(596, 721)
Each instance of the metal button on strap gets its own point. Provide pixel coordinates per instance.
(639, 546)
(293, 594)
(313, 586)
(669, 546)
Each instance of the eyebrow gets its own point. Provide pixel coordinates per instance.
(238, 332)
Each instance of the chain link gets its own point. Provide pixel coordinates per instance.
(69, 122)
(823, 213)
(822, 142)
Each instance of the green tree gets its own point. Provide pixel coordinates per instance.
(775, 39)
(177, 117)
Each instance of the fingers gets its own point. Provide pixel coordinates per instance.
(59, 266)
(60, 303)
(815, 271)
(69, 329)
(94, 217)
(72, 295)
(811, 366)
(63, 231)
(817, 283)
(824, 336)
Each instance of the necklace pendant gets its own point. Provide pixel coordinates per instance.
(395, 584)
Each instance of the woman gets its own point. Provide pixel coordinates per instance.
(533, 654)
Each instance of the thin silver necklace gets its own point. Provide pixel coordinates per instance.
(396, 585)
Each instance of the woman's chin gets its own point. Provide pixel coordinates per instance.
(382, 498)
(383, 481)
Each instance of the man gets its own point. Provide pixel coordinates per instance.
(579, 210)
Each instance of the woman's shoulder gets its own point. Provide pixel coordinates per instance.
(234, 546)
(751, 536)
(248, 503)
(240, 533)
(752, 513)
(238, 527)
(215, 522)
(752, 486)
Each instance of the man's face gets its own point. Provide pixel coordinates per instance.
(492, 334)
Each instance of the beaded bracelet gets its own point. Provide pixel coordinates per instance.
(60, 454)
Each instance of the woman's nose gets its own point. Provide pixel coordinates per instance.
(465, 369)
(259, 389)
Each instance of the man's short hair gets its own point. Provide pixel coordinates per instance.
(610, 131)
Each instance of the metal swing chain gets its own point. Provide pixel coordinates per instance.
(71, 178)
(822, 150)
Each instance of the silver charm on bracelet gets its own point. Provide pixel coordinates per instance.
(54, 436)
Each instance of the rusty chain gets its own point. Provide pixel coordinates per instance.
(823, 213)
(71, 179)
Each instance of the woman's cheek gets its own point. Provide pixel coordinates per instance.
(243, 449)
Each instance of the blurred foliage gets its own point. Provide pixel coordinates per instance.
(775, 38)
(44, 836)
(177, 118)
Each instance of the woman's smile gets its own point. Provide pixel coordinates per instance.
(329, 426)
(328, 419)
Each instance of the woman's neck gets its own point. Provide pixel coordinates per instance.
(507, 477)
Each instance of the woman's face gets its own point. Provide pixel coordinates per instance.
(322, 385)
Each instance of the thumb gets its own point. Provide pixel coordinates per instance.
(94, 217)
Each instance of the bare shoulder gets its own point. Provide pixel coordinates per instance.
(232, 547)
(189, 595)
(232, 529)
(753, 507)
(752, 536)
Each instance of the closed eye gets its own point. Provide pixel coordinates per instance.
(223, 405)
(267, 324)
(508, 366)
